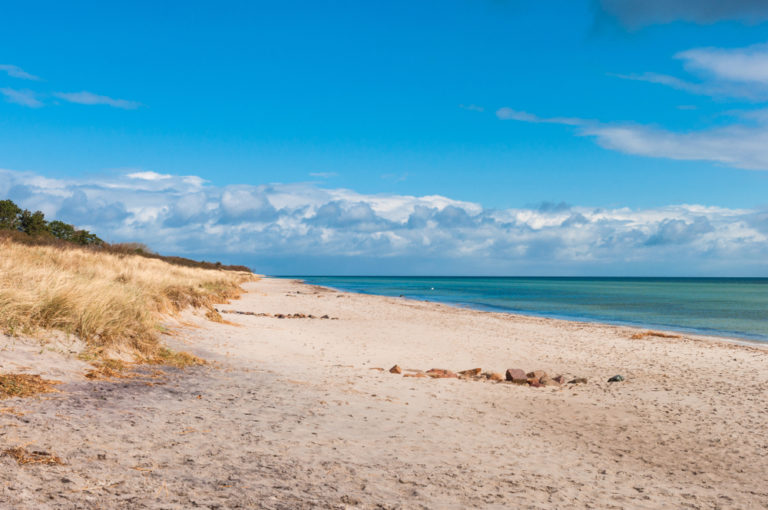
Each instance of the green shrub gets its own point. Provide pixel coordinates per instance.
(12, 217)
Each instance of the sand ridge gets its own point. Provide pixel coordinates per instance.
(291, 415)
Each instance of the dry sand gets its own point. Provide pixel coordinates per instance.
(291, 415)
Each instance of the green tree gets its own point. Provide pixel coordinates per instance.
(9, 215)
(86, 238)
(12, 217)
(61, 230)
(33, 224)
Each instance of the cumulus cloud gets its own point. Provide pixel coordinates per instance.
(23, 97)
(638, 13)
(17, 72)
(89, 98)
(148, 176)
(289, 227)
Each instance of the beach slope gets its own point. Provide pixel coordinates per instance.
(295, 413)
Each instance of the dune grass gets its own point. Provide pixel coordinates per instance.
(649, 333)
(24, 456)
(24, 385)
(110, 301)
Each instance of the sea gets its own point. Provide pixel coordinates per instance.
(728, 307)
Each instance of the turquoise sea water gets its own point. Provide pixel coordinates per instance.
(733, 307)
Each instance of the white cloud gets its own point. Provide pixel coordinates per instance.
(740, 145)
(303, 222)
(30, 98)
(149, 176)
(194, 181)
(743, 143)
(89, 98)
(719, 72)
(736, 146)
(510, 114)
(749, 65)
(23, 97)
(677, 83)
(17, 72)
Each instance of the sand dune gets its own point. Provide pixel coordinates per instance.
(291, 415)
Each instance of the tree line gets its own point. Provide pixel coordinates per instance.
(17, 222)
(13, 217)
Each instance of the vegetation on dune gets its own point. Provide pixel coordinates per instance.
(178, 359)
(109, 368)
(108, 300)
(24, 456)
(113, 297)
(14, 218)
(24, 385)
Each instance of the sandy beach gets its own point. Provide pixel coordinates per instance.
(296, 413)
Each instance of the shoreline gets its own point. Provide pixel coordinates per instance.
(294, 411)
(692, 333)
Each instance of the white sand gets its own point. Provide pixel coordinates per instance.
(292, 416)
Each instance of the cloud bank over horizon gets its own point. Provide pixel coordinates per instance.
(302, 228)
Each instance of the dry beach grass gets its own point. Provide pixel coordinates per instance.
(110, 301)
(24, 385)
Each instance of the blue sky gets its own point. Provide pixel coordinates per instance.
(349, 132)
